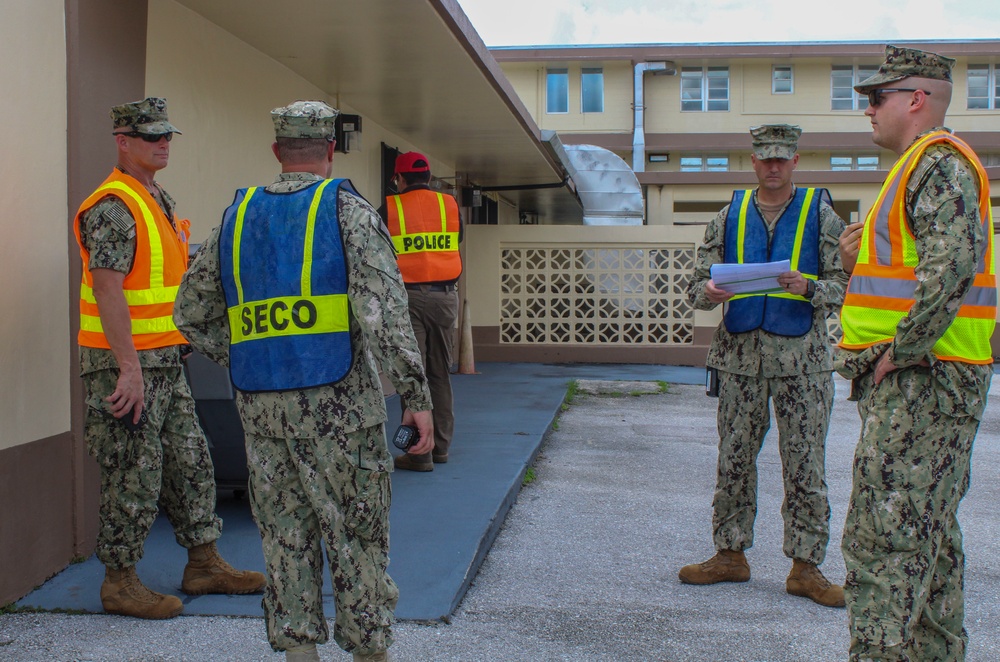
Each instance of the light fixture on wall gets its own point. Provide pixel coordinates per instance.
(659, 158)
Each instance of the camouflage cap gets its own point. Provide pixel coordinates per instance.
(775, 141)
(902, 63)
(146, 116)
(304, 119)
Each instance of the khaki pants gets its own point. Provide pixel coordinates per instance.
(433, 315)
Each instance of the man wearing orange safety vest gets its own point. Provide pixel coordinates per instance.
(426, 230)
(918, 315)
(140, 422)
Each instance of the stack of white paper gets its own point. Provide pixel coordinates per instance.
(755, 278)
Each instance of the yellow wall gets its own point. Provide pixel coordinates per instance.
(34, 330)
(220, 92)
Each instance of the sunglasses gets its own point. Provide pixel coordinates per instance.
(148, 137)
(875, 96)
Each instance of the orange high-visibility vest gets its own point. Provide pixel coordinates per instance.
(424, 227)
(161, 258)
(882, 286)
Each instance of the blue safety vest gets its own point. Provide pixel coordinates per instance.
(285, 281)
(795, 238)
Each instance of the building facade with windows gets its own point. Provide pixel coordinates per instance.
(680, 114)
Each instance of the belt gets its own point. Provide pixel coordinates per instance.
(429, 287)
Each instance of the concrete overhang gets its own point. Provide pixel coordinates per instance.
(420, 70)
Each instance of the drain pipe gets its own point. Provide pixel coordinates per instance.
(639, 137)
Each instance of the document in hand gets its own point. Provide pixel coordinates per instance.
(754, 278)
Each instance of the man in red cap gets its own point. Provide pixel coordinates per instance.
(426, 231)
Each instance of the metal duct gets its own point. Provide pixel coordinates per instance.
(607, 187)
(639, 136)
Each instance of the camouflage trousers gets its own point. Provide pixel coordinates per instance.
(802, 406)
(307, 494)
(165, 464)
(902, 543)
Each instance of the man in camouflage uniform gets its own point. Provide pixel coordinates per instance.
(134, 251)
(318, 458)
(776, 348)
(917, 317)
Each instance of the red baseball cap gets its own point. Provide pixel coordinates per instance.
(412, 162)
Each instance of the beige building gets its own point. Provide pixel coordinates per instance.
(680, 115)
(408, 75)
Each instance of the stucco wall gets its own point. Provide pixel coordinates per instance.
(34, 331)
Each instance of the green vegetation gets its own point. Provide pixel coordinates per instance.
(529, 477)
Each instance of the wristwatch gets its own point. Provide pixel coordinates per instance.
(810, 289)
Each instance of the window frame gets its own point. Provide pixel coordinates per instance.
(550, 72)
(991, 100)
(704, 163)
(859, 72)
(704, 76)
(591, 71)
(855, 162)
(775, 68)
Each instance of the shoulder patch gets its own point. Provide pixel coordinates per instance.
(120, 219)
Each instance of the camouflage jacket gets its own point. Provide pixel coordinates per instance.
(942, 211)
(381, 334)
(758, 352)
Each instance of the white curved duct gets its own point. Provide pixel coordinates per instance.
(607, 187)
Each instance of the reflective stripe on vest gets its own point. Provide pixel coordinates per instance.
(290, 328)
(151, 286)
(883, 286)
(424, 227)
(795, 237)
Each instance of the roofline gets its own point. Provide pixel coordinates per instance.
(458, 24)
(729, 50)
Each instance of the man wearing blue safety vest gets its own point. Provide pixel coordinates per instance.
(773, 347)
(426, 230)
(299, 293)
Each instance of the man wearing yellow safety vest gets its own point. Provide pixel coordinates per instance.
(426, 230)
(298, 292)
(917, 317)
(773, 347)
(140, 423)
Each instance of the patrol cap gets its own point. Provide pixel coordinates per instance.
(305, 119)
(148, 116)
(412, 162)
(775, 141)
(902, 63)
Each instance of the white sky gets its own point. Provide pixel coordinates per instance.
(568, 22)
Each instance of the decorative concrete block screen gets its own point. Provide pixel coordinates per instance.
(596, 295)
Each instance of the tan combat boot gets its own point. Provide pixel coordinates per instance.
(123, 593)
(381, 656)
(304, 653)
(805, 580)
(207, 572)
(726, 566)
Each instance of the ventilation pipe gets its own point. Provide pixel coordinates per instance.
(607, 188)
(639, 138)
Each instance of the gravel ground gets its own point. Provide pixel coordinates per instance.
(585, 568)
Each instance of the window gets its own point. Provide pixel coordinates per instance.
(557, 91)
(842, 81)
(705, 88)
(781, 80)
(984, 88)
(704, 163)
(858, 162)
(592, 90)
